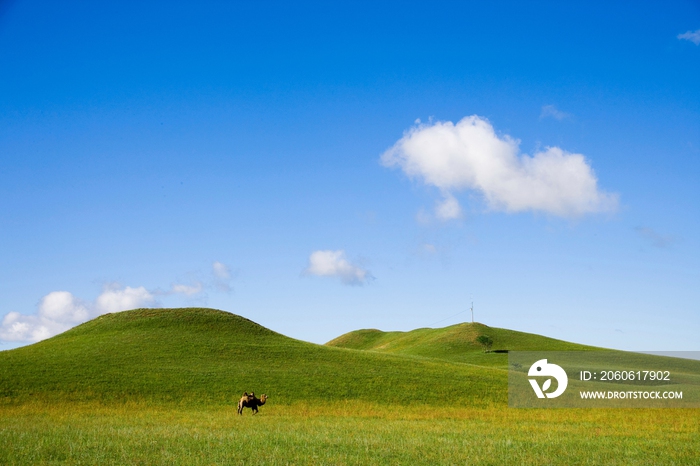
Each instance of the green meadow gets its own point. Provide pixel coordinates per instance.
(160, 386)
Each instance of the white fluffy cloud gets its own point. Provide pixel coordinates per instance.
(59, 311)
(334, 264)
(62, 306)
(470, 155)
(692, 36)
(32, 328)
(116, 299)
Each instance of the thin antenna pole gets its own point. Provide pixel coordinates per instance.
(472, 309)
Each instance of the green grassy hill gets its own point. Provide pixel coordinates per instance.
(456, 343)
(204, 356)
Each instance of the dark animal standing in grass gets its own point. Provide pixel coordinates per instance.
(251, 401)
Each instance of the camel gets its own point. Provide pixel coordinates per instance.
(251, 401)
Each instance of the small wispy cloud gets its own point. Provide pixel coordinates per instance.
(187, 290)
(424, 217)
(218, 279)
(553, 112)
(448, 208)
(428, 248)
(222, 277)
(692, 36)
(654, 238)
(334, 264)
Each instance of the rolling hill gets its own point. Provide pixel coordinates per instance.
(456, 343)
(204, 356)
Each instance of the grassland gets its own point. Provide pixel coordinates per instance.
(344, 433)
(160, 387)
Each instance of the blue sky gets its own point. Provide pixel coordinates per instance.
(304, 165)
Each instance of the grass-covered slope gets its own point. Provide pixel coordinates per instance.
(456, 343)
(204, 356)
